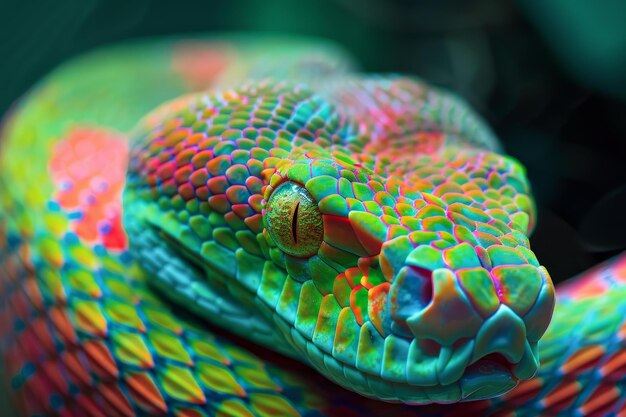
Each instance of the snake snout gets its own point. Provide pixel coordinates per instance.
(463, 325)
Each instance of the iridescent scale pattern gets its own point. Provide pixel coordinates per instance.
(424, 287)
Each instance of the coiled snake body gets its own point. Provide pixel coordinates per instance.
(367, 227)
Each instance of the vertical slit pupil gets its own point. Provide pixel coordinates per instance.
(294, 223)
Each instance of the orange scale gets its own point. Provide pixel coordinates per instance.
(255, 223)
(561, 396)
(183, 158)
(202, 193)
(615, 367)
(117, 400)
(256, 202)
(377, 298)
(218, 184)
(601, 401)
(187, 192)
(220, 203)
(63, 326)
(199, 177)
(524, 392)
(166, 171)
(354, 276)
(182, 174)
(357, 295)
(175, 137)
(145, 393)
(101, 360)
(242, 210)
(583, 359)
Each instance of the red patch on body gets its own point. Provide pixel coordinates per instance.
(89, 169)
(200, 63)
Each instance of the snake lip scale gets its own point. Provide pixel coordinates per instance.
(491, 364)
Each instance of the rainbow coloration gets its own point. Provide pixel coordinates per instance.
(365, 226)
(358, 306)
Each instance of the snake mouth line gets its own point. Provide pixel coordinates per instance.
(486, 376)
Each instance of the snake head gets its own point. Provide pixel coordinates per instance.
(417, 287)
(400, 270)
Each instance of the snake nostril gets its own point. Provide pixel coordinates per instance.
(411, 291)
(425, 278)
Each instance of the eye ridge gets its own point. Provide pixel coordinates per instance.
(294, 223)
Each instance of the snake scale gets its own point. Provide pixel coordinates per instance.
(281, 227)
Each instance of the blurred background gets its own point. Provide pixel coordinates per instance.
(550, 77)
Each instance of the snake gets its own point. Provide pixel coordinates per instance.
(247, 225)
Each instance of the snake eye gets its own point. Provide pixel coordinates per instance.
(294, 221)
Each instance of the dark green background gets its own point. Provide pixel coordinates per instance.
(549, 76)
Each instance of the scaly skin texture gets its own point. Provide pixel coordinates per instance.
(395, 234)
(364, 226)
